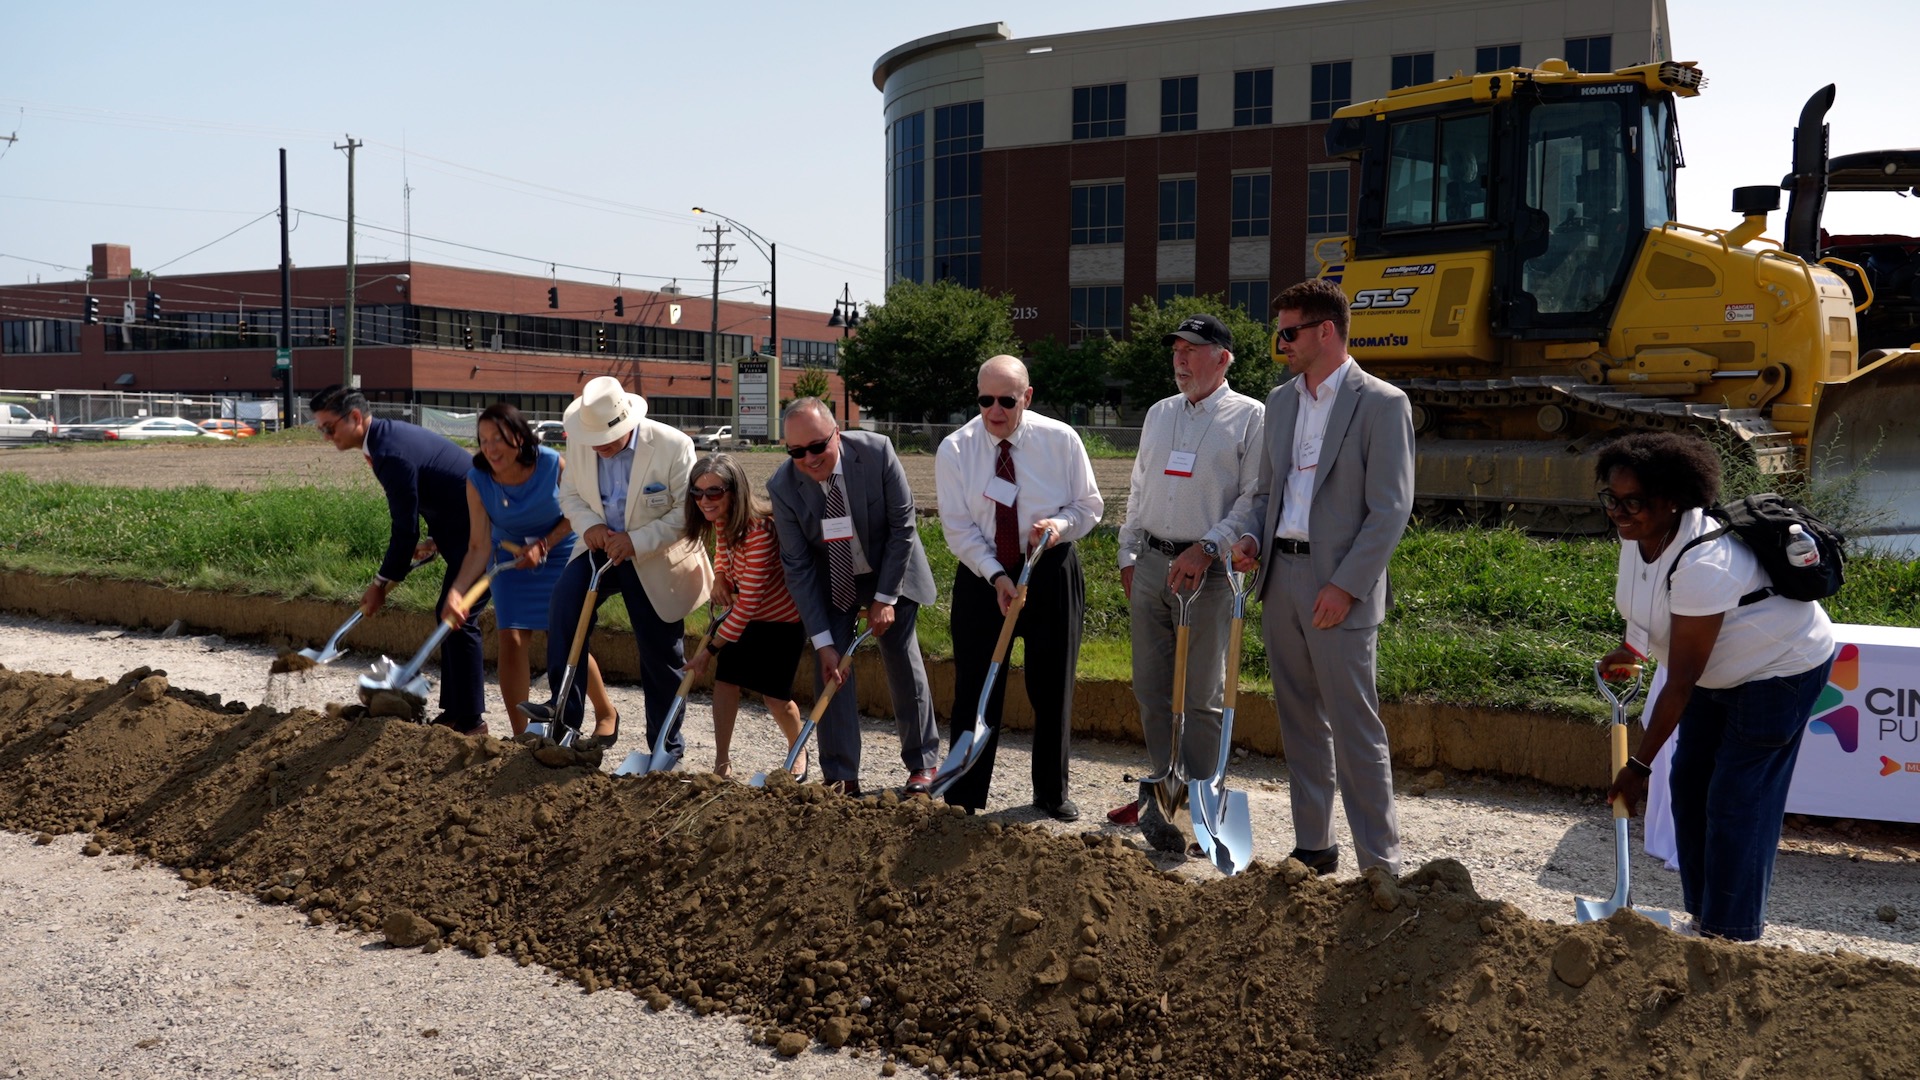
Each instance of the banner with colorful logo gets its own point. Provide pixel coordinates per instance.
(1860, 757)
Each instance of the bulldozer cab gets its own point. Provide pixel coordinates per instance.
(1559, 175)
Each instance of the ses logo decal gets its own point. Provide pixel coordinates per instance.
(1384, 299)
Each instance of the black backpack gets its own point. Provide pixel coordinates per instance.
(1761, 522)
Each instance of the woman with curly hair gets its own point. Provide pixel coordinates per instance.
(758, 644)
(1742, 674)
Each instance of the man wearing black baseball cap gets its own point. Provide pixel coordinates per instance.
(1190, 497)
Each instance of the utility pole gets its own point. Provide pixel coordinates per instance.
(713, 336)
(346, 353)
(287, 414)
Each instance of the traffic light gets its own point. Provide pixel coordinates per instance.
(620, 306)
(153, 306)
(333, 335)
(553, 296)
(599, 338)
(467, 333)
(93, 310)
(243, 324)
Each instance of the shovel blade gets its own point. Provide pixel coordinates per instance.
(637, 764)
(539, 729)
(967, 749)
(1223, 827)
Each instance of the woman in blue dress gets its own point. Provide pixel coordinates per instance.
(513, 494)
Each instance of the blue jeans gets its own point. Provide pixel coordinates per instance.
(1730, 777)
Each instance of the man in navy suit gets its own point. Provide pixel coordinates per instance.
(425, 476)
(843, 497)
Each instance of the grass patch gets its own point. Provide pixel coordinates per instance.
(1482, 617)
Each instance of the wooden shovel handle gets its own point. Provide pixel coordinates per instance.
(471, 597)
(1182, 638)
(1620, 808)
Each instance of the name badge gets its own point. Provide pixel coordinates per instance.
(657, 500)
(1309, 456)
(836, 528)
(1179, 463)
(1637, 640)
(1002, 491)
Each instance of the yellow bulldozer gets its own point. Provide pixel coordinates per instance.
(1514, 265)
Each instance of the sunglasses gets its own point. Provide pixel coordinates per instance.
(798, 452)
(327, 429)
(1631, 504)
(1291, 333)
(987, 401)
(709, 494)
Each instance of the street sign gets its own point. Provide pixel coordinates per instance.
(756, 384)
(282, 361)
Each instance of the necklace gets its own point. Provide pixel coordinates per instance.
(1648, 560)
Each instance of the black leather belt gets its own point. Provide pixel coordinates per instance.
(1170, 548)
(1283, 546)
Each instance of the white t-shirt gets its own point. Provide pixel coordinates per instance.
(1773, 637)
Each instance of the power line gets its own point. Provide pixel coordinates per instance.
(210, 243)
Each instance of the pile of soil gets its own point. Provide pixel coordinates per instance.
(903, 927)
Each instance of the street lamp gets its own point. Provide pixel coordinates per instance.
(846, 312)
(770, 250)
(346, 352)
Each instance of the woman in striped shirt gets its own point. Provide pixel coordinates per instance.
(759, 642)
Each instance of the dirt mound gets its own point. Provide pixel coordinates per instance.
(900, 926)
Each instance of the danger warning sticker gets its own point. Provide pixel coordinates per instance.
(1739, 312)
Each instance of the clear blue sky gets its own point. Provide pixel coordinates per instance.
(582, 132)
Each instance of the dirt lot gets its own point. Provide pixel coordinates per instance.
(249, 464)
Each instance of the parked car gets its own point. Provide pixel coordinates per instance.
(17, 424)
(131, 428)
(93, 430)
(239, 429)
(713, 437)
(551, 432)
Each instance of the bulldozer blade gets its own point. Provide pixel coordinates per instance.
(1867, 433)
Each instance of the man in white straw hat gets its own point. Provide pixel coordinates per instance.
(624, 490)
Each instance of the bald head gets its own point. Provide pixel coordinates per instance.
(811, 406)
(1004, 395)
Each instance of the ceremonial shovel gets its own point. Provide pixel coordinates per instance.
(543, 717)
(331, 651)
(819, 710)
(972, 745)
(1592, 910)
(406, 680)
(638, 762)
(1222, 822)
(1170, 784)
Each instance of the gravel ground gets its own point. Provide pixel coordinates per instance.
(362, 1008)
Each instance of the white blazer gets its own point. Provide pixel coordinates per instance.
(673, 570)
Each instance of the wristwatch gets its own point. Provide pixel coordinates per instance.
(1212, 548)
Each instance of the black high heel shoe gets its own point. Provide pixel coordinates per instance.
(603, 741)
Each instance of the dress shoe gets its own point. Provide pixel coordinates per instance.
(920, 781)
(1064, 810)
(592, 742)
(1162, 834)
(849, 788)
(465, 725)
(1322, 862)
(1125, 815)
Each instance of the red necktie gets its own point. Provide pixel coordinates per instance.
(1006, 523)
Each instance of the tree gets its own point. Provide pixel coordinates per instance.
(915, 356)
(812, 382)
(1064, 377)
(1147, 365)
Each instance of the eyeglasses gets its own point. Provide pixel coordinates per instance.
(327, 429)
(987, 401)
(798, 452)
(1290, 333)
(709, 494)
(1630, 504)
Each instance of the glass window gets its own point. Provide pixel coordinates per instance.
(1252, 97)
(1436, 172)
(1657, 146)
(1332, 89)
(958, 135)
(796, 352)
(1100, 112)
(1167, 290)
(906, 195)
(1250, 297)
(1575, 235)
(1590, 54)
(1094, 310)
(1412, 69)
(1177, 209)
(41, 336)
(1496, 57)
(1252, 202)
(1180, 103)
(1327, 201)
(1099, 214)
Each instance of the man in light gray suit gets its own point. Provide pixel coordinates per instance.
(1335, 493)
(848, 542)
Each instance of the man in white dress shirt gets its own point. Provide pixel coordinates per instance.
(1190, 497)
(1005, 479)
